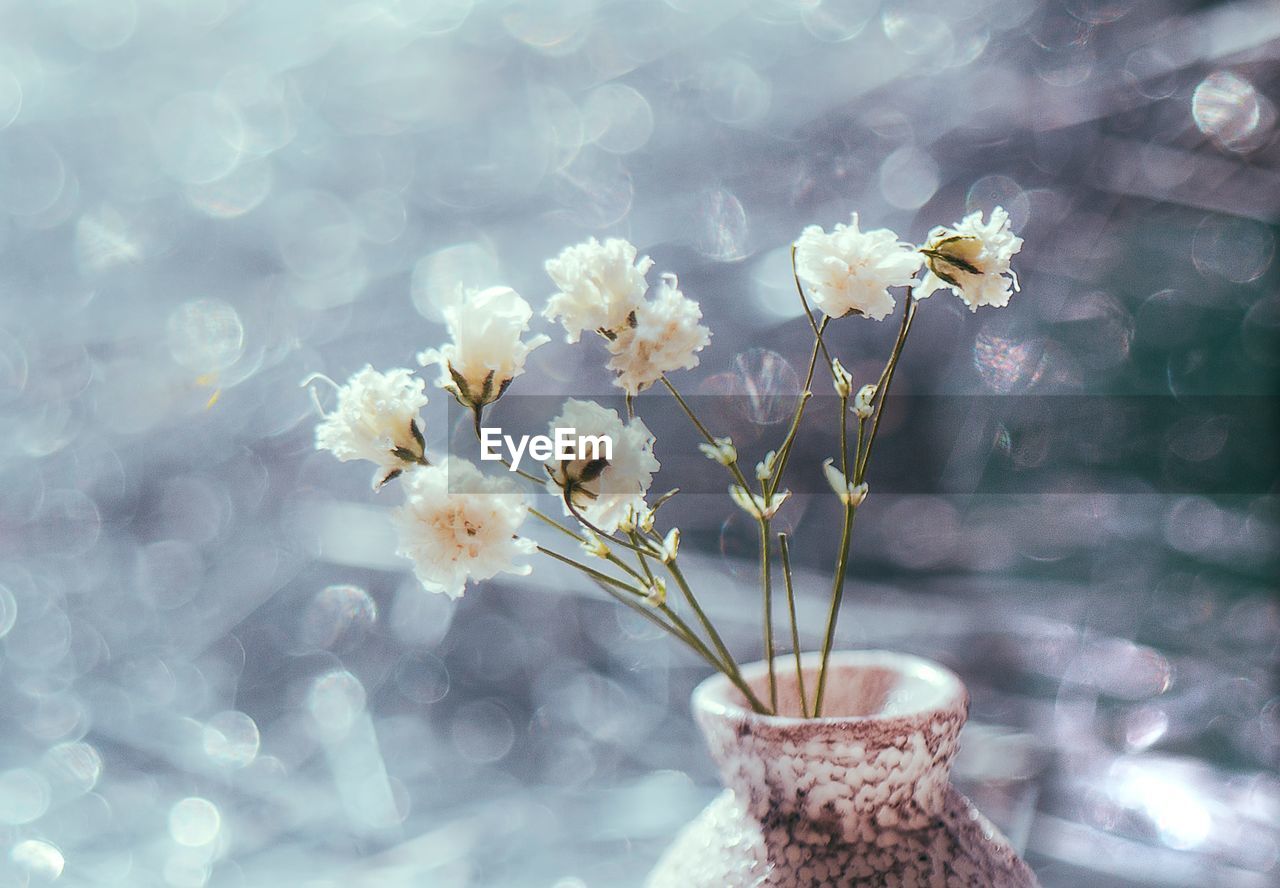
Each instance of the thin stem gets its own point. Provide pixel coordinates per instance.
(766, 582)
(674, 569)
(475, 413)
(795, 628)
(882, 390)
(677, 627)
(611, 558)
(598, 531)
(804, 301)
(784, 452)
(702, 429)
(837, 595)
(861, 459)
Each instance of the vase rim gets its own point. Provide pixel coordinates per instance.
(937, 688)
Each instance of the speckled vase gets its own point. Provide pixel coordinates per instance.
(860, 796)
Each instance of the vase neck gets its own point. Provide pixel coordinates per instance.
(879, 758)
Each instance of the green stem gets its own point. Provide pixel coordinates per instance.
(676, 627)
(766, 582)
(676, 574)
(882, 388)
(784, 452)
(702, 429)
(598, 531)
(813, 323)
(795, 628)
(837, 595)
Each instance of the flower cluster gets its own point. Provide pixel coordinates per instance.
(603, 288)
(459, 526)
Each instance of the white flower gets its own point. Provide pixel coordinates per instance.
(662, 334)
(722, 451)
(972, 259)
(376, 418)
(754, 504)
(458, 525)
(600, 285)
(862, 407)
(848, 270)
(486, 352)
(604, 490)
(850, 494)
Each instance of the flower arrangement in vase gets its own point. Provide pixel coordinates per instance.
(836, 764)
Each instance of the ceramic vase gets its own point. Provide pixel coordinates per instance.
(860, 796)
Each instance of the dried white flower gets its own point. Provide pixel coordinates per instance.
(848, 270)
(722, 451)
(840, 378)
(603, 490)
(850, 494)
(600, 286)
(376, 418)
(671, 545)
(458, 525)
(862, 406)
(661, 334)
(754, 504)
(972, 260)
(486, 352)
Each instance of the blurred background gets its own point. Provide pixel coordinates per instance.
(214, 671)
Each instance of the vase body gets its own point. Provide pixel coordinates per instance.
(858, 797)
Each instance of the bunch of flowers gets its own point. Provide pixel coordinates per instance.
(458, 526)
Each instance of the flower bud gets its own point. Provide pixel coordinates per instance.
(722, 451)
(862, 401)
(764, 468)
(671, 545)
(594, 546)
(850, 494)
(656, 595)
(841, 378)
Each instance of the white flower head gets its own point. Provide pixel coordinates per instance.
(458, 525)
(754, 504)
(722, 451)
(661, 334)
(850, 494)
(487, 351)
(376, 418)
(600, 286)
(603, 490)
(847, 270)
(973, 260)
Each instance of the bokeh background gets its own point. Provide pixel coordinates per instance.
(214, 671)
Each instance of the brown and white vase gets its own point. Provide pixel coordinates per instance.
(860, 796)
